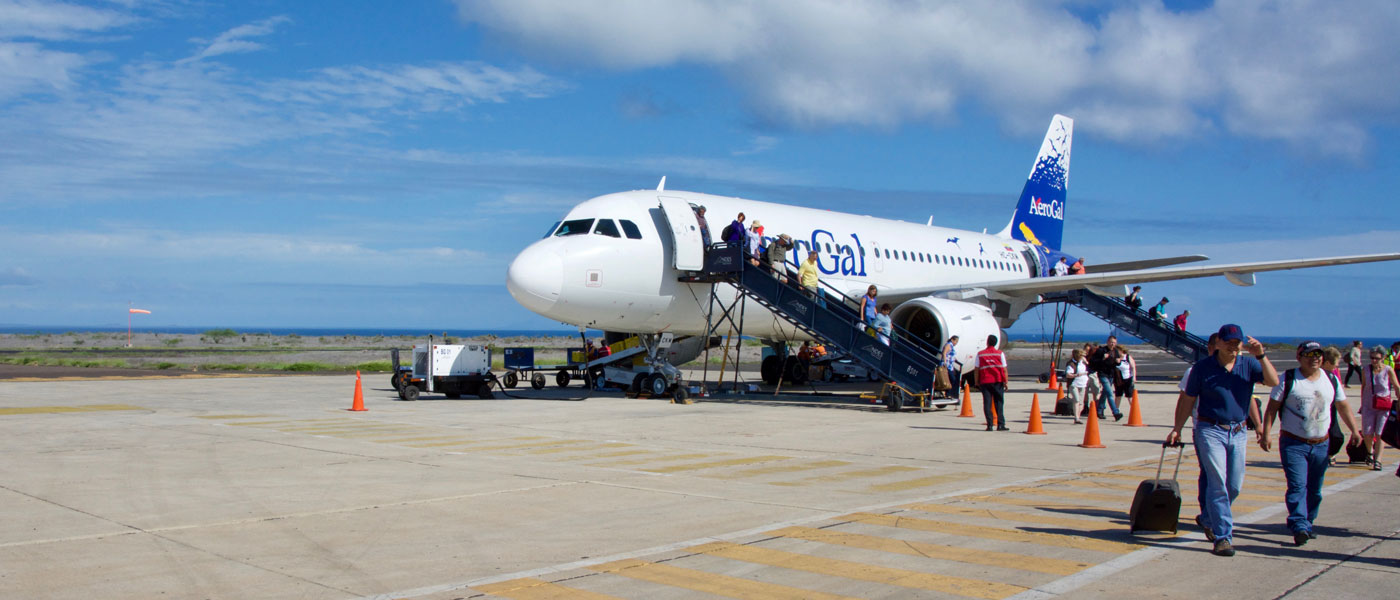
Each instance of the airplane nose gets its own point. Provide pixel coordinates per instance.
(535, 279)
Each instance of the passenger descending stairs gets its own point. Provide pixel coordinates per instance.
(1139, 324)
(905, 361)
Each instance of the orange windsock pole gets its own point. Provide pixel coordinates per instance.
(1091, 429)
(1135, 414)
(1035, 427)
(967, 402)
(358, 404)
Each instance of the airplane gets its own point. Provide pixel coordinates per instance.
(616, 263)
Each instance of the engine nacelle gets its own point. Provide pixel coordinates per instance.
(934, 320)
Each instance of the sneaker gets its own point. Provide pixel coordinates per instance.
(989, 428)
(1223, 548)
(1117, 416)
(1210, 535)
(1003, 428)
(1300, 538)
(1078, 422)
(1312, 535)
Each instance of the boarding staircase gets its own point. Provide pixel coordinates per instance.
(1137, 323)
(830, 317)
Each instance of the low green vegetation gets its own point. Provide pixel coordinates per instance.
(51, 361)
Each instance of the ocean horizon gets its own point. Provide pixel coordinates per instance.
(1070, 337)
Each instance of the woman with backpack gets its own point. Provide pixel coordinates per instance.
(1378, 387)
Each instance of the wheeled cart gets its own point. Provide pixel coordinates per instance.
(452, 370)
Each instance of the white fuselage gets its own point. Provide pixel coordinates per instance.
(631, 285)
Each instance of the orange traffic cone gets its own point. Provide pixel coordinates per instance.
(1135, 414)
(359, 403)
(992, 412)
(1035, 427)
(1091, 429)
(1054, 379)
(967, 402)
(1059, 393)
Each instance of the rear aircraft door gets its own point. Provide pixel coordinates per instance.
(689, 246)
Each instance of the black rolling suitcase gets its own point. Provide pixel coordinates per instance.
(1359, 454)
(1157, 504)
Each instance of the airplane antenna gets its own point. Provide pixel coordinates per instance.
(930, 220)
(661, 187)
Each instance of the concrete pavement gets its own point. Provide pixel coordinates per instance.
(269, 488)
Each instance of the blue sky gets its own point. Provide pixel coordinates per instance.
(372, 164)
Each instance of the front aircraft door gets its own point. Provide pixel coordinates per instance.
(689, 247)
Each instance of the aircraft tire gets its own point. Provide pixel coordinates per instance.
(771, 369)
(537, 381)
(510, 379)
(657, 384)
(562, 379)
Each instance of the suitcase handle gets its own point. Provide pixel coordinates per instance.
(1180, 453)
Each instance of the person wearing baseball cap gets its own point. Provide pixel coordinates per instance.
(1306, 402)
(1221, 389)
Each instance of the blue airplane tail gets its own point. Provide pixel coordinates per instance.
(1040, 214)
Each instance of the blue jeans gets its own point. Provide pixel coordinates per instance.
(1106, 395)
(1304, 465)
(1221, 456)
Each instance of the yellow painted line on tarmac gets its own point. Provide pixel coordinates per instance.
(596, 446)
(345, 426)
(610, 454)
(1007, 515)
(221, 417)
(710, 583)
(785, 468)
(995, 533)
(476, 441)
(1185, 488)
(1250, 480)
(847, 475)
(911, 484)
(947, 584)
(538, 444)
(351, 434)
(1031, 502)
(53, 410)
(1005, 560)
(1046, 491)
(424, 438)
(530, 588)
(732, 462)
(307, 422)
(642, 461)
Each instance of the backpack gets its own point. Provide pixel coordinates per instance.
(726, 232)
(1335, 438)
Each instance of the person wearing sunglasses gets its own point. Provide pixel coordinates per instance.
(1303, 402)
(1378, 387)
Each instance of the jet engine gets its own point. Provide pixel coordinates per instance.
(934, 320)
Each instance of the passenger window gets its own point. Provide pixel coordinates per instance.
(828, 248)
(574, 227)
(607, 227)
(630, 229)
(551, 229)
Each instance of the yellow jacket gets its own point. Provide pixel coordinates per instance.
(807, 273)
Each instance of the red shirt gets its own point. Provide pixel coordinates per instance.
(1181, 321)
(991, 366)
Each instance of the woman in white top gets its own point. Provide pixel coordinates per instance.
(1377, 381)
(1077, 371)
(1126, 381)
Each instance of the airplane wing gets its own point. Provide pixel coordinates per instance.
(1133, 265)
(1238, 274)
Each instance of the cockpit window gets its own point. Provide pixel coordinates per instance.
(574, 227)
(630, 229)
(551, 229)
(607, 227)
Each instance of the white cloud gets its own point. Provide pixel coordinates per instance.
(1315, 74)
(16, 276)
(54, 20)
(234, 41)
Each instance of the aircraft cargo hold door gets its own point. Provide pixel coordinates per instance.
(689, 247)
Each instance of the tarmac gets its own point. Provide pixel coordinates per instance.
(268, 487)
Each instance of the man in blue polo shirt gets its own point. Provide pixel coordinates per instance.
(1221, 389)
